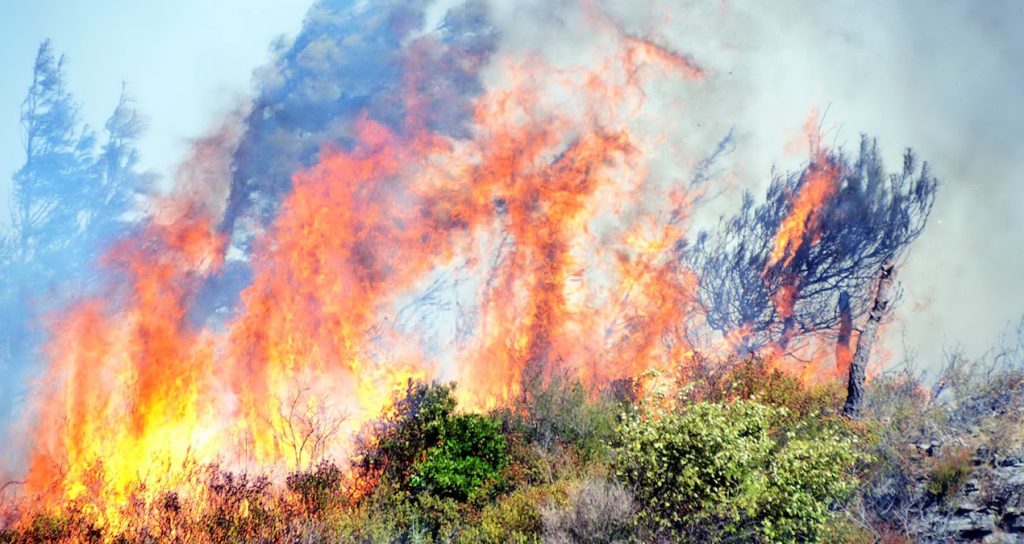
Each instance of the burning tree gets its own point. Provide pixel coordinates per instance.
(349, 61)
(804, 261)
(550, 211)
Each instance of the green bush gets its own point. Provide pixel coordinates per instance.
(733, 471)
(558, 412)
(468, 459)
(422, 447)
(514, 518)
(393, 445)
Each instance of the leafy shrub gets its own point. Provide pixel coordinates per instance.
(753, 378)
(422, 446)
(558, 412)
(714, 471)
(470, 455)
(598, 511)
(515, 518)
(415, 422)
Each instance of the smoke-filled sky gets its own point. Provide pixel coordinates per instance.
(942, 77)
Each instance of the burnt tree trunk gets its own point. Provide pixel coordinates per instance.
(843, 351)
(883, 298)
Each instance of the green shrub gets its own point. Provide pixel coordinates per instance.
(386, 514)
(514, 518)
(422, 447)
(716, 471)
(393, 445)
(469, 458)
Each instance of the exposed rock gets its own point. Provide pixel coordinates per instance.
(988, 507)
(1014, 460)
(972, 525)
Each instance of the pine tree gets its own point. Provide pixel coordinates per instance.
(870, 218)
(68, 202)
(111, 196)
(50, 186)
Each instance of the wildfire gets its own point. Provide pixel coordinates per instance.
(532, 208)
(127, 397)
(139, 391)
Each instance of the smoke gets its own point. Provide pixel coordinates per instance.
(939, 77)
(352, 59)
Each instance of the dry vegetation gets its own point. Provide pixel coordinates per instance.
(741, 453)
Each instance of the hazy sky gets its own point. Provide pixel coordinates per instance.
(944, 77)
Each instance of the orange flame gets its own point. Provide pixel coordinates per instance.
(798, 227)
(126, 393)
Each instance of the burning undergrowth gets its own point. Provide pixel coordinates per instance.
(392, 219)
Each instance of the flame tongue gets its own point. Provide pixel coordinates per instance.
(799, 228)
(126, 389)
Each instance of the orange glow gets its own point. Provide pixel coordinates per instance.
(799, 231)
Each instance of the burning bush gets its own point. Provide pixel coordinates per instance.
(318, 490)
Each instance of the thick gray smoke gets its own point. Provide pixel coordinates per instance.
(352, 59)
